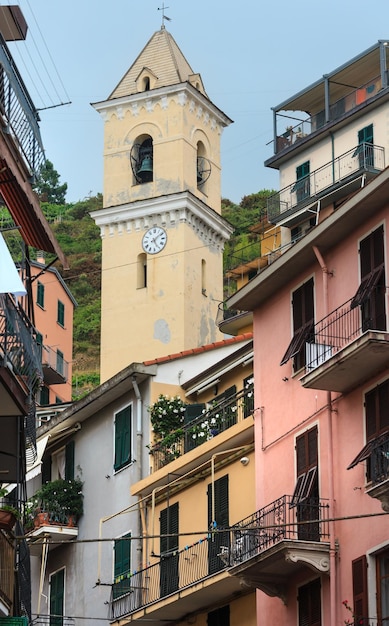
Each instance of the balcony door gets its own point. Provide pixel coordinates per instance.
(365, 147)
(370, 295)
(306, 493)
(218, 519)
(169, 550)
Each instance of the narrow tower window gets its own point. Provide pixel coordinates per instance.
(142, 271)
(146, 83)
(203, 277)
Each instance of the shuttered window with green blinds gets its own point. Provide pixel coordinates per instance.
(122, 437)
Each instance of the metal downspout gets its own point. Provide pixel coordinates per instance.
(333, 572)
(139, 457)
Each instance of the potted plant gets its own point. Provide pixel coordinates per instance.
(58, 502)
(8, 513)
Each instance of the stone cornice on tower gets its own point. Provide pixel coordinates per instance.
(166, 211)
(183, 94)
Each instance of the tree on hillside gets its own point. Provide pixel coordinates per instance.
(47, 185)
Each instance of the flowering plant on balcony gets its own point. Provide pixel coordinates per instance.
(166, 415)
(61, 499)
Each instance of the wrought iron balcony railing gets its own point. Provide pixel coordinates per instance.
(361, 158)
(378, 462)
(224, 314)
(174, 571)
(334, 332)
(278, 521)
(18, 345)
(209, 424)
(17, 112)
(303, 128)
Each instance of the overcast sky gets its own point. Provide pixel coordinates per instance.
(251, 55)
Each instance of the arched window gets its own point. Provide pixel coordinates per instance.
(142, 271)
(142, 160)
(146, 83)
(203, 166)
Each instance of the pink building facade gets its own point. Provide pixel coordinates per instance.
(317, 546)
(53, 309)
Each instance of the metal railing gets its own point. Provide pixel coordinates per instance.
(18, 114)
(378, 462)
(278, 521)
(303, 128)
(361, 158)
(18, 346)
(332, 333)
(53, 620)
(55, 361)
(224, 314)
(7, 559)
(174, 571)
(221, 549)
(203, 428)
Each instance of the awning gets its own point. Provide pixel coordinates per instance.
(35, 469)
(10, 281)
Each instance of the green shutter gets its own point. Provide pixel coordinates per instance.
(69, 461)
(57, 587)
(61, 313)
(122, 438)
(40, 297)
(192, 411)
(365, 135)
(122, 565)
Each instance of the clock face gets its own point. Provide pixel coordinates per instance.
(154, 240)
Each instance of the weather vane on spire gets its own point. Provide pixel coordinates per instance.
(164, 17)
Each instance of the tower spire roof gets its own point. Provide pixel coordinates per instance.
(163, 58)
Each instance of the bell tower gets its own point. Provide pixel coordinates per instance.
(161, 228)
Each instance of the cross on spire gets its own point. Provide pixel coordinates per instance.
(164, 17)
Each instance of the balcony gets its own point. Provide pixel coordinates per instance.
(169, 589)
(276, 542)
(208, 425)
(329, 107)
(378, 469)
(344, 353)
(19, 356)
(54, 366)
(295, 204)
(53, 512)
(233, 322)
(18, 116)
(7, 560)
(51, 530)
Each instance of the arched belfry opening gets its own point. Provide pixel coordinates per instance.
(203, 166)
(142, 160)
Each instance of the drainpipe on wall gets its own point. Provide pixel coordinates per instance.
(333, 573)
(139, 457)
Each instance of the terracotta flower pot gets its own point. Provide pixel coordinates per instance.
(7, 520)
(41, 519)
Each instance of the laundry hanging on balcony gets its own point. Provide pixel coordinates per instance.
(10, 281)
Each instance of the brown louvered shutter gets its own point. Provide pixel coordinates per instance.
(359, 572)
(309, 601)
(371, 414)
(301, 456)
(383, 401)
